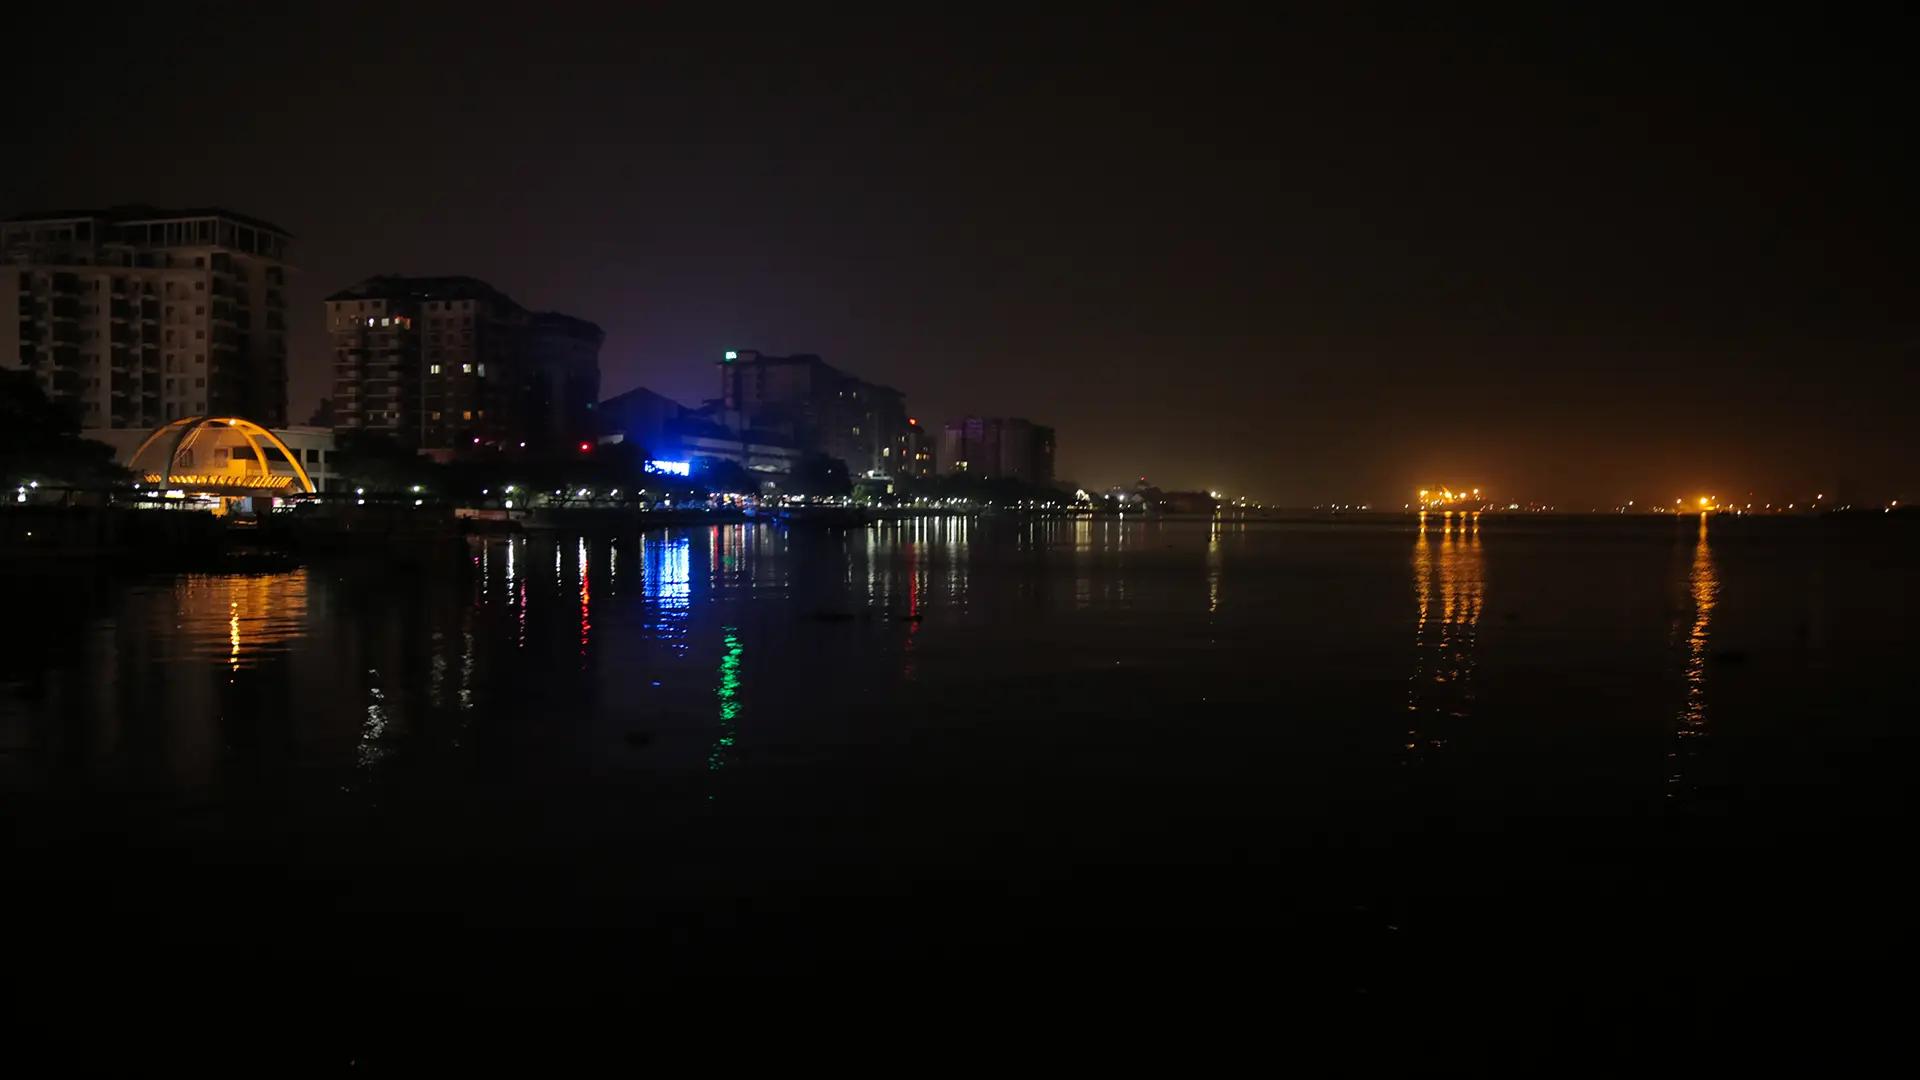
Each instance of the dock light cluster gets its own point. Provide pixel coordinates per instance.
(1446, 498)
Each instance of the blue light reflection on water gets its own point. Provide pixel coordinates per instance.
(667, 586)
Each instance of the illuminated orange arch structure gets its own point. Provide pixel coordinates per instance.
(184, 434)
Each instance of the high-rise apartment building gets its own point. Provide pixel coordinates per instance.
(452, 364)
(563, 379)
(993, 446)
(817, 406)
(964, 447)
(134, 316)
(912, 452)
(1042, 455)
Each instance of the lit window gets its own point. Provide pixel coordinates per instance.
(386, 322)
(466, 414)
(466, 369)
(434, 416)
(483, 371)
(433, 369)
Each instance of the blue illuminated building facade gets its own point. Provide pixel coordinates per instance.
(669, 435)
(813, 406)
(772, 411)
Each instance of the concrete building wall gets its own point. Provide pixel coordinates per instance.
(135, 316)
(819, 407)
(970, 446)
(451, 365)
(1043, 453)
(315, 447)
(563, 381)
(377, 375)
(1016, 449)
(756, 457)
(10, 285)
(1010, 447)
(913, 452)
(641, 417)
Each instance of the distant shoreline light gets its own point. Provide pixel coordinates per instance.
(1446, 498)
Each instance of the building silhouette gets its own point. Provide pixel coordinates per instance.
(1002, 447)
(813, 406)
(562, 380)
(663, 429)
(913, 452)
(452, 365)
(134, 316)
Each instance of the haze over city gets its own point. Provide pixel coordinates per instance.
(1335, 261)
(576, 506)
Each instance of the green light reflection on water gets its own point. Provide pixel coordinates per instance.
(729, 694)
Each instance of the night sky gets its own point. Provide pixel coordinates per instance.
(1578, 262)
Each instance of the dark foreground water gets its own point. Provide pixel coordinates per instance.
(1613, 755)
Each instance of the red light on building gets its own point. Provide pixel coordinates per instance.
(586, 447)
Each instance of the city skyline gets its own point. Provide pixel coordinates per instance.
(1423, 503)
(1598, 263)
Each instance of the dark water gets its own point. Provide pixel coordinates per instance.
(1359, 759)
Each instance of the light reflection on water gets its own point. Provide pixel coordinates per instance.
(718, 650)
(586, 601)
(1703, 589)
(1213, 565)
(953, 536)
(728, 695)
(241, 620)
(1445, 630)
(372, 748)
(667, 585)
